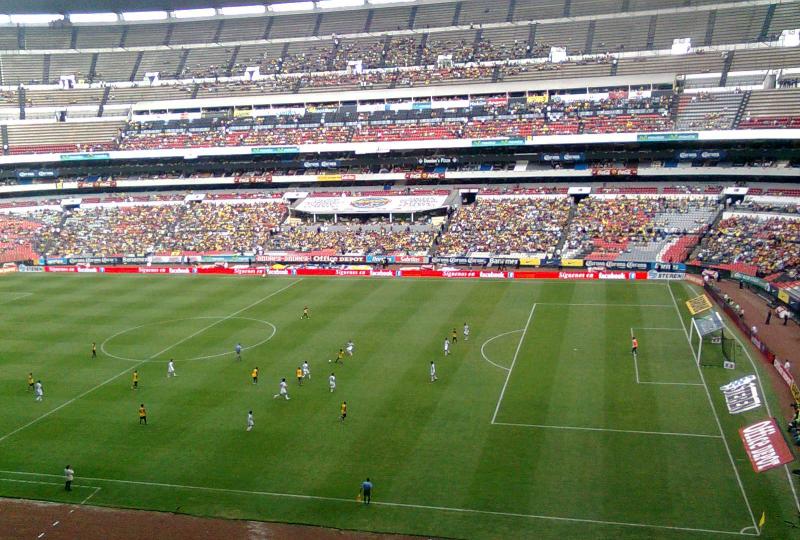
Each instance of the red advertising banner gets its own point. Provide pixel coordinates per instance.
(376, 272)
(765, 445)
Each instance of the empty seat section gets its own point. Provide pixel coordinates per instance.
(343, 22)
(536, 11)
(37, 38)
(243, 29)
(25, 69)
(773, 58)
(95, 37)
(60, 98)
(690, 63)
(148, 93)
(115, 66)
(570, 35)
(286, 26)
(481, 12)
(163, 62)
(193, 32)
(592, 7)
(70, 64)
(62, 136)
(394, 18)
(738, 25)
(621, 34)
(141, 35)
(672, 26)
(433, 15)
(8, 39)
(786, 17)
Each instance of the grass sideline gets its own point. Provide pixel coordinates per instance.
(536, 427)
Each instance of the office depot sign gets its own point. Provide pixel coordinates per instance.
(765, 445)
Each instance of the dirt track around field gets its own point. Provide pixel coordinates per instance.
(784, 341)
(28, 520)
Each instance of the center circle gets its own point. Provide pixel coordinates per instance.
(111, 338)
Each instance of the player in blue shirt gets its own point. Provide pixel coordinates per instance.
(366, 490)
(238, 349)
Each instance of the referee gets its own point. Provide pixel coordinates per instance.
(69, 476)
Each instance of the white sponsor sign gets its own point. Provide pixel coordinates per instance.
(741, 395)
(398, 204)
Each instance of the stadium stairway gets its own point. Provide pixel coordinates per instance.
(726, 67)
(742, 108)
(762, 36)
(103, 101)
(563, 240)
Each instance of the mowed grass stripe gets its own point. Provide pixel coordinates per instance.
(424, 444)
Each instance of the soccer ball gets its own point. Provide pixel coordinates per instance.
(329, 361)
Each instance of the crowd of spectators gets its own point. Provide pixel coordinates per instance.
(518, 119)
(234, 227)
(611, 224)
(532, 225)
(772, 244)
(369, 239)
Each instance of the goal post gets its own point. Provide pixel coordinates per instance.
(710, 344)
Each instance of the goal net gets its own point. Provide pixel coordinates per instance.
(711, 343)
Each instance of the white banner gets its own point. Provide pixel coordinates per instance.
(399, 204)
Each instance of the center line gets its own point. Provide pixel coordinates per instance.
(513, 361)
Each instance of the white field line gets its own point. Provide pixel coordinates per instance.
(405, 505)
(658, 328)
(485, 343)
(14, 296)
(604, 305)
(513, 362)
(92, 494)
(634, 431)
(128, 370)
(713, 410)
(766, 402)
(636, 365)
(45, 483)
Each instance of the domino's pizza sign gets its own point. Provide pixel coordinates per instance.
(741, 395)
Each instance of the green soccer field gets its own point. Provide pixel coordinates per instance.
(541, 425)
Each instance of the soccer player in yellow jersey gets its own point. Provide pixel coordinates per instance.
(94, 350)
(299, 373)
(254, 375)
(340, 357)
(344, 410)
(135, 380)
(142, 415)
(305, 314)
(454, 336)
(30, 381)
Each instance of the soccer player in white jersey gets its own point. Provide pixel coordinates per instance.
(349, 348)
(38, 391)
(466, 332)
(250, 422)
(433, 372)
(170, 368)
(306, 371)
(283, 390)
(446, 346)
(332, 382)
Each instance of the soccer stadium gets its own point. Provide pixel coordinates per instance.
(394, 269)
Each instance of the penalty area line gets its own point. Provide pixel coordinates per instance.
(610, 430)
(390, 504)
